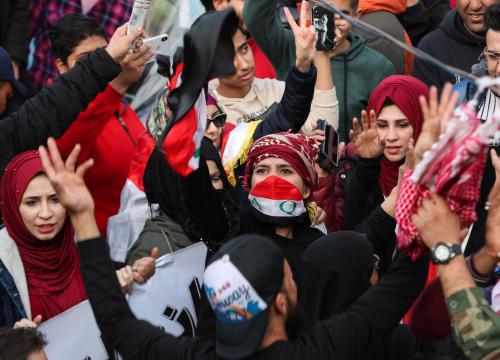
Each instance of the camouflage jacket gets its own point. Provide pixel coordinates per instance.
(476, 327)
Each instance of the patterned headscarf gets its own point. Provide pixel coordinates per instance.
(298, 150)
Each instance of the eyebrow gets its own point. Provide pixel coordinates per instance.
(242, 45)
(397, 120)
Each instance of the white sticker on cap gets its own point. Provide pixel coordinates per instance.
(231, 296)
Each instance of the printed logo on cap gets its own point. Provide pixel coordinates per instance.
(231, 296)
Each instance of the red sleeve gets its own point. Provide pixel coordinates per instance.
(90, 123)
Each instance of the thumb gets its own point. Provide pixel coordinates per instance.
(38, 319)
(155, 253)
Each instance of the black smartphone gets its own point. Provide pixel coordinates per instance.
(324, 25)
(328, 156)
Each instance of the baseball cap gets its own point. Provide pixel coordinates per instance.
(241, 282)
(7, 72)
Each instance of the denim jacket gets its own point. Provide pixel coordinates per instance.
(14, 299)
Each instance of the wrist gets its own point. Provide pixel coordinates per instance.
(85, 225)
(303, 65)
(119, 86)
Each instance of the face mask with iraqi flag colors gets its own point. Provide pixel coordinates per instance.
(277, 200)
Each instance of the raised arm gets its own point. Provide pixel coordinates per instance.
(91, 122)
(295, 104)
(53, 109)
(269, 33)
(134, 339)
(324, 105)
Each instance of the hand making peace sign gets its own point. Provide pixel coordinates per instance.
(305, 38)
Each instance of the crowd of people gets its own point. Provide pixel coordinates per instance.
(303, 260)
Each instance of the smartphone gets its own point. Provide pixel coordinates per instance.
(324, 25)
(328, 156)
(159, 44)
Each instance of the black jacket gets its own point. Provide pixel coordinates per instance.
(453, 44)
(14, 29)
(350, 335)
(424, 17)
(55, 107)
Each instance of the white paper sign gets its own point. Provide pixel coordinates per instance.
(74, 335)
(168, 300)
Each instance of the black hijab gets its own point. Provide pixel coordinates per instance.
(336, 271)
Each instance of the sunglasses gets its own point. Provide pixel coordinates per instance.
(218, 118)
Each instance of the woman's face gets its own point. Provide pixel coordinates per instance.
(281, 168)
(394, 132)
(40, 209)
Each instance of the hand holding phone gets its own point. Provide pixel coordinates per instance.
(328, 155)
(159, 45)
(324, 25)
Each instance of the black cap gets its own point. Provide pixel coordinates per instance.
(241, 282)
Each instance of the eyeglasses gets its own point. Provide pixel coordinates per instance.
(218, 118)
(489, 56)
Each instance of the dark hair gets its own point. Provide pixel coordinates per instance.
(492, 17)
(208, 4)
(18, 344)
(70, 31)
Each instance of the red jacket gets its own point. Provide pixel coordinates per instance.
(109, 140)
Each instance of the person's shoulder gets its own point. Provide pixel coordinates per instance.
(433, 39)
(270, 87)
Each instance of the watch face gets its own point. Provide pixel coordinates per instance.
(442, 252)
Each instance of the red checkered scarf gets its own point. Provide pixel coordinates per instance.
(298, 150)
(453, 169)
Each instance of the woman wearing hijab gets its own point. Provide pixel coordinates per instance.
(393, 125)
(39, 263)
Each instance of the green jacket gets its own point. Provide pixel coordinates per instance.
(356, 72)
(476, 327)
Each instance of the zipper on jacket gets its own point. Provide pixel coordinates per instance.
(119, 116)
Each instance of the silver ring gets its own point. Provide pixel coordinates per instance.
(487, 205)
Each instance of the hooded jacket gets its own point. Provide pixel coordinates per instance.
(356, 72)
(382, 15)
(454, 45)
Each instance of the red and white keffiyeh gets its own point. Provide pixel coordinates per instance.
(453, 168)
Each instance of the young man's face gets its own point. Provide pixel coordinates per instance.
(345, 7)
(472, 13)
(84, 48)
(492, 52)
(243, 62)
(6, 92)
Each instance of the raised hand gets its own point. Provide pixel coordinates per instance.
(435, 222)
(436, 115)
(67, 182)
(133, 66)
(120, 43)
(365, 139)
(305, 38)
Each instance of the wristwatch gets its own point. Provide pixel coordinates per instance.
(442, 253)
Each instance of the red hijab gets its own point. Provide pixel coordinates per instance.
(403, 91)
(52, 267)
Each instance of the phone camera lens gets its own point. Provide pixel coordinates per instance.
(164, 38)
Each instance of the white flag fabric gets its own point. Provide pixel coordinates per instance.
(170, 298)
(74, 334)
(124, 228)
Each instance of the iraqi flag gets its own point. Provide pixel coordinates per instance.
(208, 53)
(277, 198)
